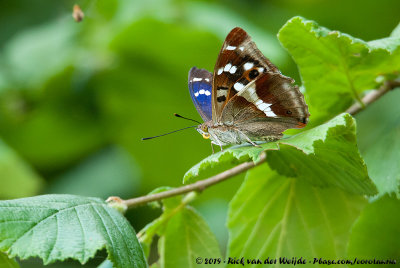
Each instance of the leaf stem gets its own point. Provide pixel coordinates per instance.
(197, 186)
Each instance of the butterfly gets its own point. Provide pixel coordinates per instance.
(247, 98)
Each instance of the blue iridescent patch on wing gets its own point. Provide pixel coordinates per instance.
(200, 88)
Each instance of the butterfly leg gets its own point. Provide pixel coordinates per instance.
(212, 147)
(248, 139)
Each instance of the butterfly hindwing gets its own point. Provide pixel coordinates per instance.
(239, 63)
(200, 88)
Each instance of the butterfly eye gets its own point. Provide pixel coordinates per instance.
(206, 136)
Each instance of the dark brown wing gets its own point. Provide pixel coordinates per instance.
(271, 98)
(239, 62)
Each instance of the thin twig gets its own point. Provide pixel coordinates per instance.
(373, 96)
(197, 186)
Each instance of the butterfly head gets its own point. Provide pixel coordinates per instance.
(203, 130)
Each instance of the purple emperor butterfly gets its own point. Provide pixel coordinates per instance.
(246, 99)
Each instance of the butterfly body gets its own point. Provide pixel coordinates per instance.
(222, 134)
(246, 99)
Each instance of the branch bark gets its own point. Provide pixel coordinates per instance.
(197, 186)
(373, 96)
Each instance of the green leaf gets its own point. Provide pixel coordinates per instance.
(336, 68)
(396, 31)
(106, 264)
(186, 237)
(6, 262)
(273, 216)
(17, 178)
(378, 139)
(324, 156)
(380, 220)
(58, 227)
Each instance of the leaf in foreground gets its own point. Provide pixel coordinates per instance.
(335, 67)
(184, 236)
(58, 227)
(326, 155)
(273, 216)
(376, 233)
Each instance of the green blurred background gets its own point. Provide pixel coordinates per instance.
(76, 98)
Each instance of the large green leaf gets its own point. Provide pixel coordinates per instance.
(336, 68)
(379, 142)
(6, 262)
(324, 156)
(380, 222)
(273, 216)
(17, 179)
(184, 236)
(58, 227)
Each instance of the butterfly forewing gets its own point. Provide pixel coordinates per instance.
(239, 62)
(200, 88)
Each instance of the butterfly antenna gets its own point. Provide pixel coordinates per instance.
(180, 116)
(149, 138)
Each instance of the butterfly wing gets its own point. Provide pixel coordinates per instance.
(200, 88)
(261, 101)
(266, 107)
(239, 62)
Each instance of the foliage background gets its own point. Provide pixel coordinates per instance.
(75, 98)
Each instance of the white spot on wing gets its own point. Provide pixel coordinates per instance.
(197, 79)
(241, 48)
(208, 93)
(220, 70)
(207, 80)
(201, 91)
(261, 69)
(227, 67)
(238, 86)
(233, 70)
(250, 95)
(230, 48)
(248, 66)
(196, 94)
(262, 106)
